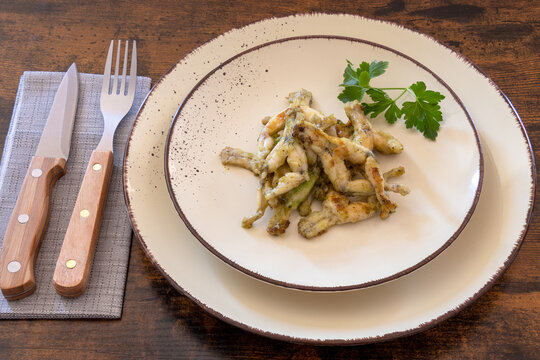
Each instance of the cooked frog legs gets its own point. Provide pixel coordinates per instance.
(303, 155)
(240, 158)
(288, 149)
(266, 140)
(320, 142)
(271, 156)
(337, 209)
(366, 136)
(262, 204)
(333, 152)
(364, 133)
(374, 176)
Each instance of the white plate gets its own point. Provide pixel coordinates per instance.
(225, 110)
(417, 301)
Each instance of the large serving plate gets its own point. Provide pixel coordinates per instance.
(225, 108)
(412, 303)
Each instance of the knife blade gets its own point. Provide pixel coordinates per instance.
(30, 215)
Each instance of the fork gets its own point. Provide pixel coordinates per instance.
(76, 256)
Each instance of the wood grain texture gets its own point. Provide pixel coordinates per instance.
(70, 279)
(27, 226)
(501, 37)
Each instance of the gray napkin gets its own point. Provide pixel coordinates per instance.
(104, 295)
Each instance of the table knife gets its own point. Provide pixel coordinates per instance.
(30, 215)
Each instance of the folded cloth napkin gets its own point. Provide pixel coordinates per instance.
(104, 294)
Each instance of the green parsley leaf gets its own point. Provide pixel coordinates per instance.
(429, 96)
(363, 79)
(381, 102)
(364, 66)
(377, 68)
(393, 113)
(378, 95)
(414, 116)
(349, 75)
(351, 93)
(424, 113)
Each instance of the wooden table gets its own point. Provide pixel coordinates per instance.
(158, 322)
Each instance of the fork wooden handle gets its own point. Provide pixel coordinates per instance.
(76, 256)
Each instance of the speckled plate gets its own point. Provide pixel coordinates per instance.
(225, 109)
(412, 303)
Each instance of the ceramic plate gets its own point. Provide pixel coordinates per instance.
(225, 110)
(412, 303)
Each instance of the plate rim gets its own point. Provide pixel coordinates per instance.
(286, 284)
(356, 341)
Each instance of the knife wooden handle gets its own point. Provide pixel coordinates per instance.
(27, 226)
(77, 253)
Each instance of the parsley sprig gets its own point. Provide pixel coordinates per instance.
(424, 113)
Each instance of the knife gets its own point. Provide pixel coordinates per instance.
(30, 215)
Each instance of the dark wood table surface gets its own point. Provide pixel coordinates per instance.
(501, 37)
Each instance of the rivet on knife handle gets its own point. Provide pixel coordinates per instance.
(26, 227)
(76, 256)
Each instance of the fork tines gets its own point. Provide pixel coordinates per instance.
(116, 87)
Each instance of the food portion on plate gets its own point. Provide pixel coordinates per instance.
(305, 156)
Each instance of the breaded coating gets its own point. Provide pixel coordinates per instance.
(304, 156)
(241, 158)
(363, 131)
(365, 134)
(333, 152)
(337, 209)
(262, 204)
